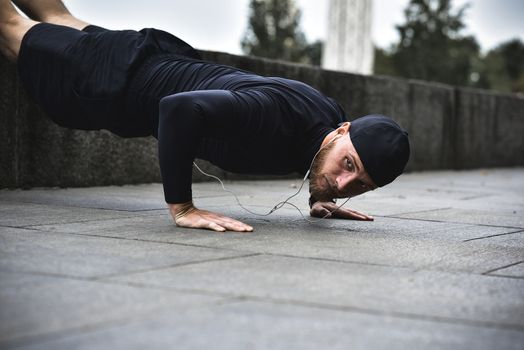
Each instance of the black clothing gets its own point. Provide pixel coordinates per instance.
(235, 119)
(79, 78)
(382, 145)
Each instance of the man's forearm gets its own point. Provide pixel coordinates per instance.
(178, 138)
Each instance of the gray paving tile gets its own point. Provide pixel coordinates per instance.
(131, 198)
(495, 189)
(414, 281)
(465, 297)
(516, 270)
(500, 180)
(260, 325)
(387, 241)
(512, 239)
(131, 227)
(86, 256)
(40, 307)
(417, 201)
(283, 222)
(494, 204)
(471, 216)
(26, 214)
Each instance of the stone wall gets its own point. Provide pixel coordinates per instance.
(449, 127)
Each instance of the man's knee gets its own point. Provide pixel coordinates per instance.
(11, 35)
(179, 104)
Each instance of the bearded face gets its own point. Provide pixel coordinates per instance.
(318, 186)
(338, 172)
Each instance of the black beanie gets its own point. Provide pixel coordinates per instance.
(382, 145)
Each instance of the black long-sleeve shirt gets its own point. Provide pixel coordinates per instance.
(237, 120)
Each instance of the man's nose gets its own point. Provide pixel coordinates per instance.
(344, 182)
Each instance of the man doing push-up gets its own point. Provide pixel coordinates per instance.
(149, 82)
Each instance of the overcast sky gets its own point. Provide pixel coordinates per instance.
(219, 24)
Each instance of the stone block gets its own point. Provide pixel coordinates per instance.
(36, 308)
(489, 129)
(516, 271)
(121, 198)
(458, 297)
(431, 113)
(92, 256)
(471, 216)
(54, 156)
(9, 114)
(389, 242)
(450, 128)
(280, 326)
(105, 268)
(27, 214)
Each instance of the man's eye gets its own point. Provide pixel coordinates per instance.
(363, 185)
(349, 164)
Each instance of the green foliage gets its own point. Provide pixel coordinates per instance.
(504, 66)
(274, 32)
(431, 47)
(383, 62)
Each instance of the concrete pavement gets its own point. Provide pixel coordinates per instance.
(442, 266)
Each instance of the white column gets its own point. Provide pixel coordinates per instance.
(348, 45)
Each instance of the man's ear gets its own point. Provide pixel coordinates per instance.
(343, 128)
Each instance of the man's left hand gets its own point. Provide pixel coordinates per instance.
(329, 210)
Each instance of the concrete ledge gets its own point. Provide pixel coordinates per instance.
(450, 128)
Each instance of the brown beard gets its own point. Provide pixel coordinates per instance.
(318, 192)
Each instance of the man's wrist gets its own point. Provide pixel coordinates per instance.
(177, 207)
(313, 200)
(180, 210)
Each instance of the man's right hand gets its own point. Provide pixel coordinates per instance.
(187, 215)
(331, 210)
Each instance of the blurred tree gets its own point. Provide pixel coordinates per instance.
(274, 32)
(432, 48)
(383, 63)
(313, 53)
(504, 66)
